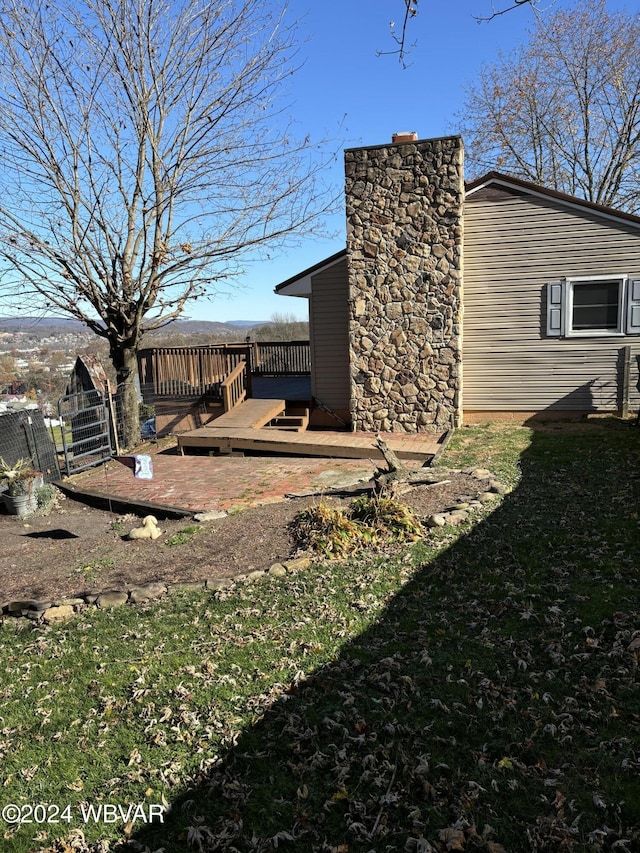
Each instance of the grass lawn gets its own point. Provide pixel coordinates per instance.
(478, 691)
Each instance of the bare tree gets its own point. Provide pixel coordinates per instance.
(145, 154)
(564, 109)
(282, 327)
(401, 33)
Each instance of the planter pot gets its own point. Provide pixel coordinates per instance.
(19, 505)
(25, 503)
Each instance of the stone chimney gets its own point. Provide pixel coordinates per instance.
(404, 249)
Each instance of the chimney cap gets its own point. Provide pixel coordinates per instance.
(404, 136)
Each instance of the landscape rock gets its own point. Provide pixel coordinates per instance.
(457, 517)
(20, 605)
(185, 587)
(58, 614)
(108, 600)
(44, 604)
(218, 583)
(71, 602)
(146, 592)
(210, 515)
(454, 514)
(298, 564)
(255, 576)
(479, 473)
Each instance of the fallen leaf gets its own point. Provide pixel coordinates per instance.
(453, 838)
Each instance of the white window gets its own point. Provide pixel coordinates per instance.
(593, 306)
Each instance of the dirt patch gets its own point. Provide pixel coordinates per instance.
(77, 549)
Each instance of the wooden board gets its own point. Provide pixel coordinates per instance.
(340, 445)
(250, 414)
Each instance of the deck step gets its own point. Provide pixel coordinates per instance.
(293, 421)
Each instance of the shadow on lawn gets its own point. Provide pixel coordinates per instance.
(492, 706)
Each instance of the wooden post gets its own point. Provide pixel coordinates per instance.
(112, 417)
(250, 366)
(626, 379)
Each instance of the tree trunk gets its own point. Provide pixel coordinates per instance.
(125, 362)
(395, 478)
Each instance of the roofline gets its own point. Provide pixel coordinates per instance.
(471, 187)
(544, 192)
(327, 262)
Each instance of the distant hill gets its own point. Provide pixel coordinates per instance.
(203, 327)
(41, 325)
(44, 327)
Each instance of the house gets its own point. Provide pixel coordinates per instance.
(454, 302)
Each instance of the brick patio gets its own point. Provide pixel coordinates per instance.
(201, 483)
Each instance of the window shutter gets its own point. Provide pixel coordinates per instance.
(633, 306)
(555, 309)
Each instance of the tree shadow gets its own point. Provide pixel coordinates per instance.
(485, 709)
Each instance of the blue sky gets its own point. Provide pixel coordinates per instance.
(346, 91)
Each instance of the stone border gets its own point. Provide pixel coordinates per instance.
(465, 504)
(50, 611)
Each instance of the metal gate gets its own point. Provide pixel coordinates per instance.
(86, 433)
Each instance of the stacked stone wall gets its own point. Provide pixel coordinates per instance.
(404, 248)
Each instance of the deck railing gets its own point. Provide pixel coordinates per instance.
(234, 387)
(191, 372)
(281, 358)
(196, 372)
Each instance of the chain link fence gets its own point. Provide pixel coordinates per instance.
(24, 435)
(88, 430)
(92, 427)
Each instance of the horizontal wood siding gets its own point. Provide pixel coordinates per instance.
(514, 247)
(328, 318)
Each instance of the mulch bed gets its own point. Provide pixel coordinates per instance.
(77, 549)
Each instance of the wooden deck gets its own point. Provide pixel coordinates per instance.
(333, 444)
